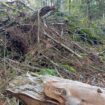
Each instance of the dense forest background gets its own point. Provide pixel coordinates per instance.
(89, 14)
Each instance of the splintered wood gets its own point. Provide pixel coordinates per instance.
(50, 90)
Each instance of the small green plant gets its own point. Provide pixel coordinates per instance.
(47, 71)
(69, 68)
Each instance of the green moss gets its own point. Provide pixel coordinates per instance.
(47, 71)
(69, 68)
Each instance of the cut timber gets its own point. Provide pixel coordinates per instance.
(50, 90)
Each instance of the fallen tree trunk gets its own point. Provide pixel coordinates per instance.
(50, 90)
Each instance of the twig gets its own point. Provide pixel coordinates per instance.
(95, 68)
(81, 48)
(38, 37)
(32, 67)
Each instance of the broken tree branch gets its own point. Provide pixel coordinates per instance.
(64, 46)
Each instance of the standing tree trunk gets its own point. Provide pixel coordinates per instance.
(58, 4)
(69, 6)
(88, 2)
(101, 7)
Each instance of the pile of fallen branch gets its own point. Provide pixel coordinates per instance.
(30, 40)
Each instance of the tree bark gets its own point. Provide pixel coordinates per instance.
(50, 90)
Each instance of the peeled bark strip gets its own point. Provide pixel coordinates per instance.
(50, 90)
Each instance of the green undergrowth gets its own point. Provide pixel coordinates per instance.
(47, 71)
(53, 72)
(69, 68)
(82, 27)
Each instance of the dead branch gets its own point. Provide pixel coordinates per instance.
(64, 46)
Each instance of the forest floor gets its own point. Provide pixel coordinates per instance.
(47, 49)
